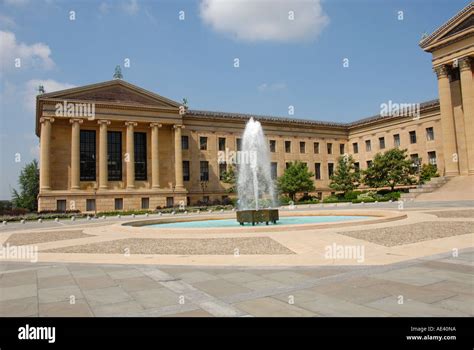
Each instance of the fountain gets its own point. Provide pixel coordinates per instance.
(254, 183)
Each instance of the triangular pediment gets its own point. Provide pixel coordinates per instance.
(114, 91)
(461, 24)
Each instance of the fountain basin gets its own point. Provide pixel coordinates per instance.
(257, 216)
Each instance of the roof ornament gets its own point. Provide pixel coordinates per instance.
(185, 102)
(424, 35)
(118, 73)
(41, 89)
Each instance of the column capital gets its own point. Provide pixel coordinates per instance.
(465, 63)
(152, 125)
(441, 71)
(76, 120)
(131, 124)
(102, 121)
(46, 119)
(180, 126)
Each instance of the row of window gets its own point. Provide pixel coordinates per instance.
(118, 204)
(302, 145)
(114, 155)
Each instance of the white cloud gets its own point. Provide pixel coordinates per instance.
(271, 87)
(6, 21)
(31, 90)
(37, 54)
(131, 7)
(268, 20)
(104, 8)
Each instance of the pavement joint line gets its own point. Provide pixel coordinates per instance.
(163, 311)
(207, 302)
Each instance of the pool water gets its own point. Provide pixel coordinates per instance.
(286, 220)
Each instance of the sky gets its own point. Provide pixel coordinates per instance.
(332, 60)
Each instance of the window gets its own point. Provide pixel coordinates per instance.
(341, 148)
(90, 204)
(61, 205)
(430, 134)
(432, 157)
(288, 146)
(239, 144)
(320, 195)
(396, 140)
(329, 146)
(140, 155)
(369, 163)
(414, 157)
(169, 202)
(412, 136)
(316, 147)
(221, 143)
(302, 147)
(357, 166)
(184, 142)
(186, 171)
(222, 170)
(355, 147)
(287, 165)
(382, 142)
(87, 155)
(274, 173)
(204, 170)
(118, 203)
(272, 146)
(114, 153)
(145, 203)
(203, 143)
(205, 199)
(317, 171)
(368, 146)
(330, 169)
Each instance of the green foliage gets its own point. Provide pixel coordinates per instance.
(427, 172)
(350, 195)
(29, 188)
(229, 177)
(390, 169)
(297, 178)
(346, 177)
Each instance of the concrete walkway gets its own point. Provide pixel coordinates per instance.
(439, 285)
(457, 188)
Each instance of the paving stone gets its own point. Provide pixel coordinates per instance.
(137, 283)
(108, 295)
(88, 272)
(452, 276)
(462, 304)
(221, 288)
(122, 274)
(23, 307)
(286, 277)
(193, 313)
(416, 276)
(263, 284)
(239, 277)
(56, 294)
(438, 265)
(52, 271)
(196, 276)
(56, 281)
(154, 298)
(412, 308)
(18, 292)
(95, 282)
(452, 286)
(269, 307)
(65, 309)
(329, 306)
(298, 296)
(17, 278)
(118, 309)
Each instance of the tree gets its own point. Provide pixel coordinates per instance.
(390, 169)
(346, 177)
(229, 177)
(29, 188)
(427, 172)
(297, 178)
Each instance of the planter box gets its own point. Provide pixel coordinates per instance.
(258, 216)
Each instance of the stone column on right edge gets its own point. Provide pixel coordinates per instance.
(178, 158)
(467, 91)
(451, 162)
(155, 161)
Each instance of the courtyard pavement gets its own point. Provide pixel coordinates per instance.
(440, 285)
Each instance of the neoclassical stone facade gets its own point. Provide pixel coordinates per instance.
(116, 146)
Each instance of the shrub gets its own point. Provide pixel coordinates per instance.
(352, 195)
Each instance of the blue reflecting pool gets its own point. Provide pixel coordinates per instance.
(286, 220)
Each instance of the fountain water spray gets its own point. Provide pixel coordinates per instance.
(254, 184)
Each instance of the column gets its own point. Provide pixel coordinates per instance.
(467, 91)
(155, 163)
(130, 156)
(178, 158)
(103, 166)
(447, 122)
(45, 144)
(75, 152)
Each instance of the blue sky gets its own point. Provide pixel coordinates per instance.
(282, 63)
